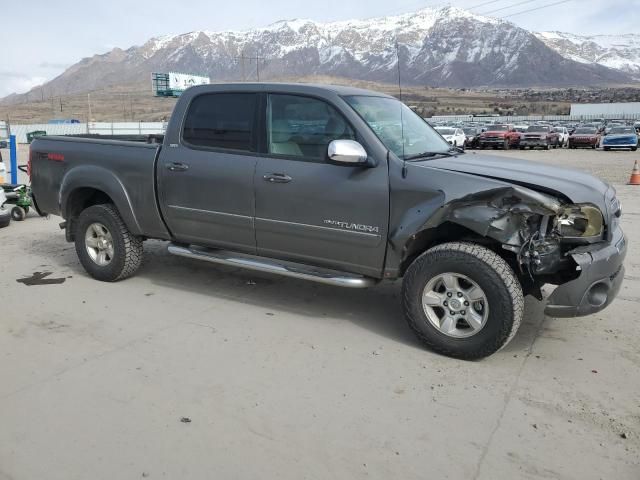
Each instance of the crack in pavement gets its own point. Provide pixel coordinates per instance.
(507, 398)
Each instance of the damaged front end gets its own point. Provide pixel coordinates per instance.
(540, 230)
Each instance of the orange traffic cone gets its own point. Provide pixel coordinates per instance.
(635, 175)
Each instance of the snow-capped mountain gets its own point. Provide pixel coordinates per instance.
(438, 47)
(620, 52)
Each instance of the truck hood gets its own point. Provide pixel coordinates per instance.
(577, 186)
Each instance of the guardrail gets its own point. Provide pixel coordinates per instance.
(99, 128)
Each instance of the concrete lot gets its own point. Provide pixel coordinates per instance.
(290, 380)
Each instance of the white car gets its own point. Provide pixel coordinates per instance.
(563, 133)
(455, 136)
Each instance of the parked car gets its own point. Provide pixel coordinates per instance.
(563, 135)
(542, 136)
(472, 137)
(621, 137)
(345, 187)
(499, 136)
(4, 144)
(455, 136)
(611, 126)
(585, 137)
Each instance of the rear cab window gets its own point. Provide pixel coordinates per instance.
(226, 121)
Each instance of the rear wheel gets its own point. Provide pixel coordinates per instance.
(105, 247)
(462, 300)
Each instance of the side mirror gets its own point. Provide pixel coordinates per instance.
(347, 152)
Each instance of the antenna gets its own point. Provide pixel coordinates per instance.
(399, 71)
(404, 161)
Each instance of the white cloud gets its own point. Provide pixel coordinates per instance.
(12, 82)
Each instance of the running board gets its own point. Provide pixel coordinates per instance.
(270, 265)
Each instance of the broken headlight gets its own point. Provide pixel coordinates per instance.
(580, 221)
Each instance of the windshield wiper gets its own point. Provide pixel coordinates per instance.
(452, 152)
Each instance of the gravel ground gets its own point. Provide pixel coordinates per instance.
(614, 166)
(190, 370)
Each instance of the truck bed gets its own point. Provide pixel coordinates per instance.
(125, 170)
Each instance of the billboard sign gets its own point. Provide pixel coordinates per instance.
(182, 81)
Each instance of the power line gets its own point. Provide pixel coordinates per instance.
(483, 4)
(508, 7)
(537, 8)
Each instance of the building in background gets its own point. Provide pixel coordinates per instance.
(606, 110)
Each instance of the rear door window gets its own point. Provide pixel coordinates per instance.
(222, 121)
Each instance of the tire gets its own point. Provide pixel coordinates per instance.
(123, 255)
(547, 146)
(633, 149)
(18, 214)
(522, 148)
(5, 217)
(497, 282)
(606, 149)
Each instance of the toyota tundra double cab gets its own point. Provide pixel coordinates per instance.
(349, 188)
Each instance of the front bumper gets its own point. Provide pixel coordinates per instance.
(620, 145)
(601, 275)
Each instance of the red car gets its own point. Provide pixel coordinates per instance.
(541, 136)
(503, 136)
(584, 137)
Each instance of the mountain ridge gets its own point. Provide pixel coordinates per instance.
(445, 46)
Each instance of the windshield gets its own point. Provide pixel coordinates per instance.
(470, 131)
(497, 128)
(619, 130)
(537, 128)
(446, 131)
(585, 131)
(400, 129)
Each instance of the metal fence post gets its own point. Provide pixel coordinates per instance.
(13, 156)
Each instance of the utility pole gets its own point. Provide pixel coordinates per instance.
(257, 59)
(89, 107)
(60, 98)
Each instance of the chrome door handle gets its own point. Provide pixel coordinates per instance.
(277, 178)
(177, 167)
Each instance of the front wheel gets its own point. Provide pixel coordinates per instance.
(106, 248)
(18, 213)
(462, 300)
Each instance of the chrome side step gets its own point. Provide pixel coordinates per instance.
(270, 265)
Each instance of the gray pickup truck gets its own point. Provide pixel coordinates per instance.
(346, 187)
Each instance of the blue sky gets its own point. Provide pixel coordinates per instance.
(40, 38)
